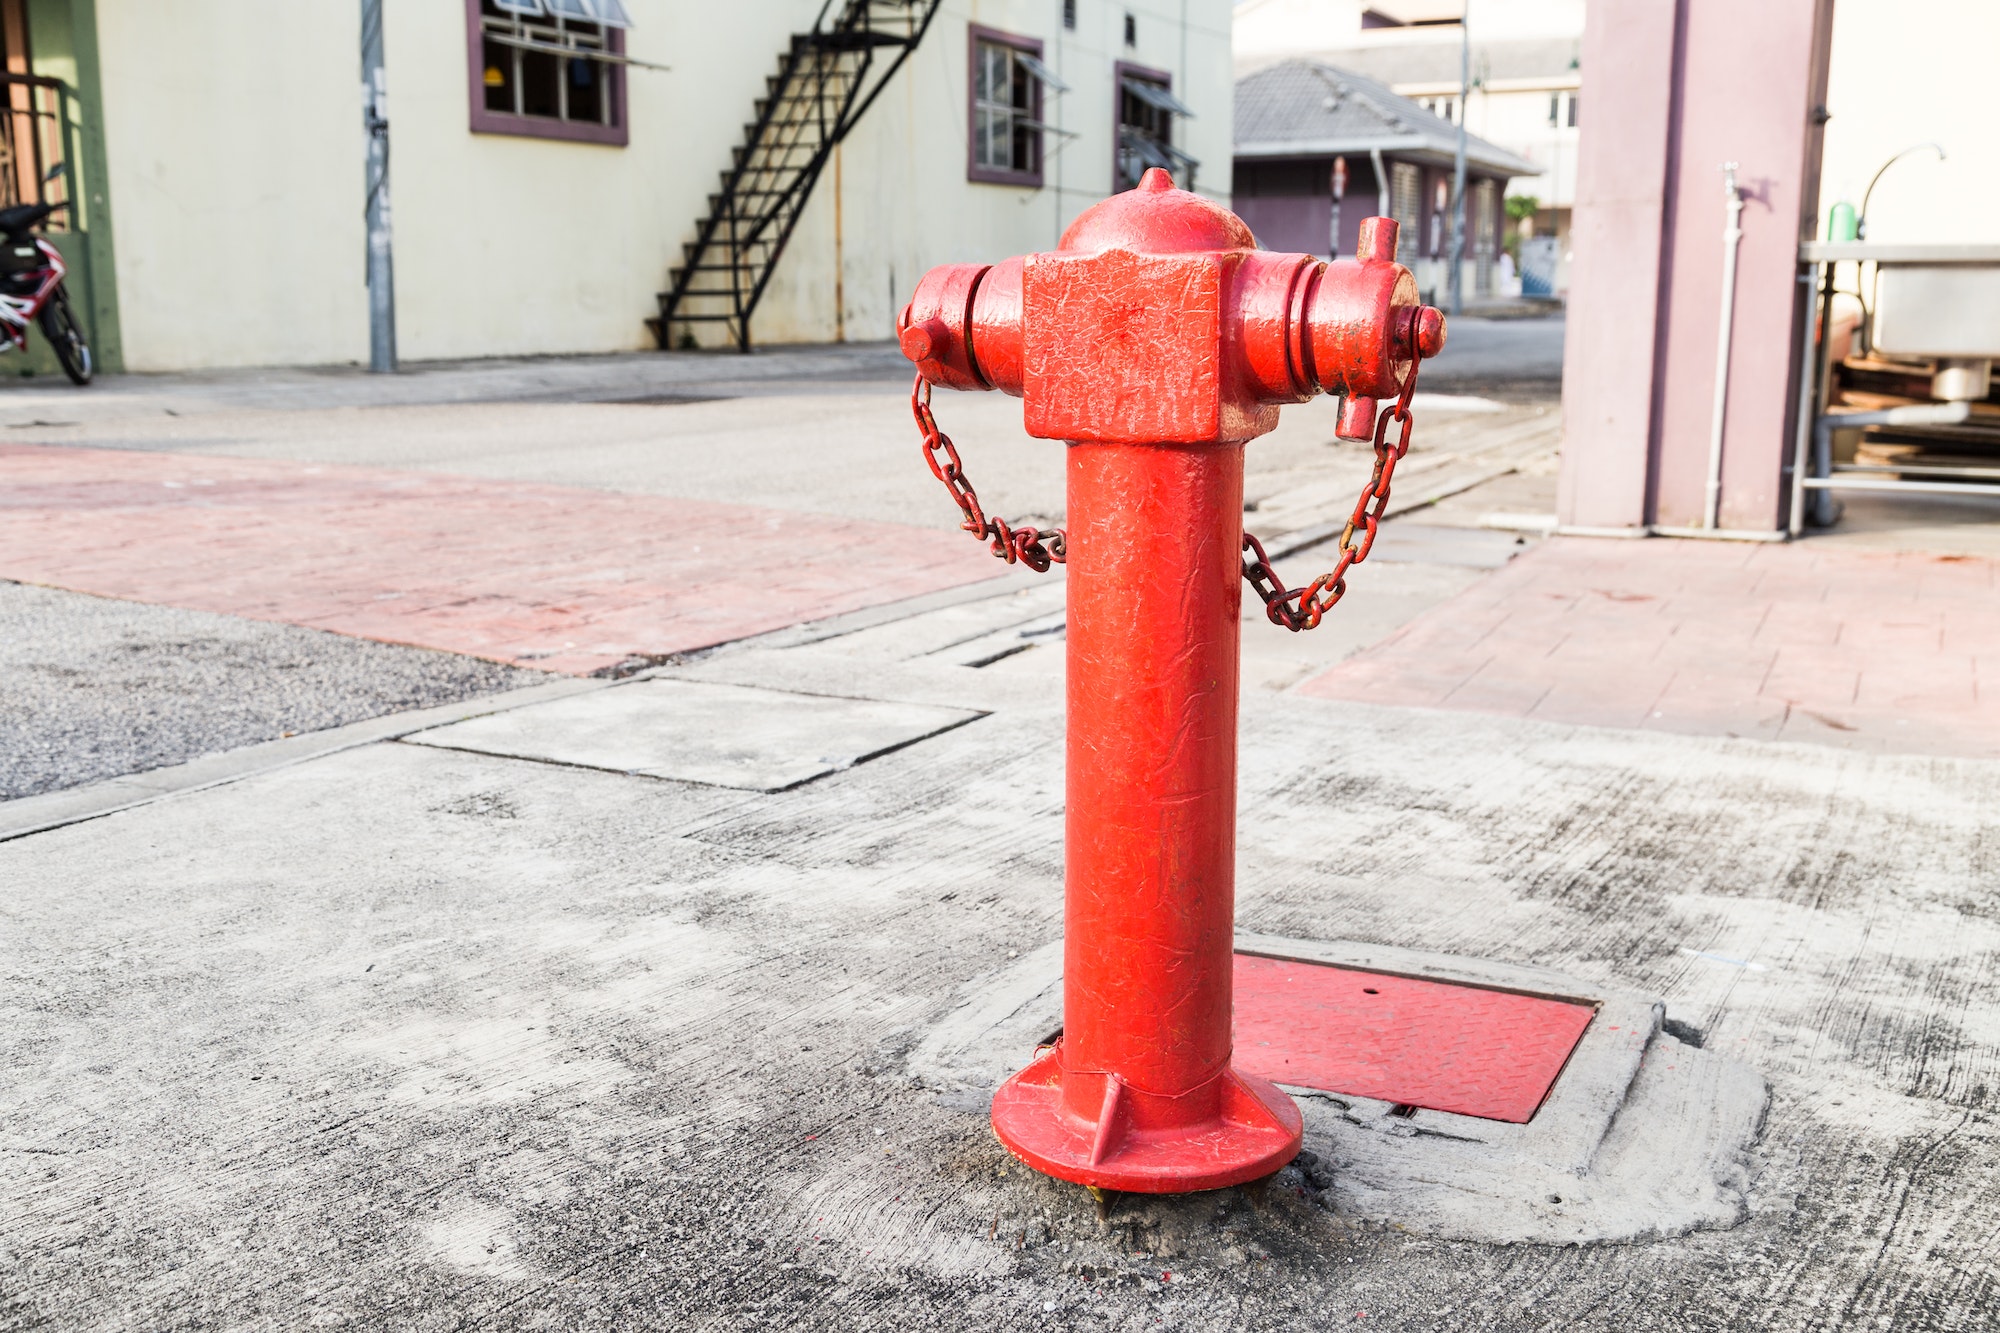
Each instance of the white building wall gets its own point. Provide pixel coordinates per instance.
(236, 173)
(1901, 76)
(1518, 119)
(234, 148)
(904, 202)
(1268, 31)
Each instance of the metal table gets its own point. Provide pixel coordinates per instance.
(1813, 468)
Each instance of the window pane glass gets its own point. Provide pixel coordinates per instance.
(980, 117)
(612, 13)
(497, 73)
(992, 68)
(586, 90)
(539, 94)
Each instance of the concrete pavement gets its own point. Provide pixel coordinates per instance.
(581, 514)
(412, 1037)
(542, 1008)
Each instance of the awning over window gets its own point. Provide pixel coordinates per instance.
(611, 13)
(1150, 152)
(1153, 95)
(1022, 122)
(1045, 75)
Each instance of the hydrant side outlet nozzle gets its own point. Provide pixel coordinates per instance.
(963, 326)
(1155, 341)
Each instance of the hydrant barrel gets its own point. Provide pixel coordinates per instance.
(1155, 341)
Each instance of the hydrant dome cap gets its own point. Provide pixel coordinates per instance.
(1155, 218)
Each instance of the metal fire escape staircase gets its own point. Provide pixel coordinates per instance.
(826, 81)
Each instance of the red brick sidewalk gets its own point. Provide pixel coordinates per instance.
(1893, 651)
(560, 578)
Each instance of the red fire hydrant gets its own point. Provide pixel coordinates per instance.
(1157, 340)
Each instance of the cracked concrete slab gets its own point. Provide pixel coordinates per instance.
(718, 735)
(404, 1036)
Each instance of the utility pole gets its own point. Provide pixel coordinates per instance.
(1458, 166)
(381, 266)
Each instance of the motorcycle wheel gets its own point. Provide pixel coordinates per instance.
(65, 335)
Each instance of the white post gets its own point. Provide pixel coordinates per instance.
(1732, 237)
(1458, 166)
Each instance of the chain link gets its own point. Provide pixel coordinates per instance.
(1302, 608)
(1037, 548)
(1293, 608)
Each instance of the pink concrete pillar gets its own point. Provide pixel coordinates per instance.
(1671, 91)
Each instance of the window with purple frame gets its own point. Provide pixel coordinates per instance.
(1007, 87)
(549, 69)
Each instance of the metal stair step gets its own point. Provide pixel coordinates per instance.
(820, 77)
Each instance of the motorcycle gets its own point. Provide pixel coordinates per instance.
(31, 289)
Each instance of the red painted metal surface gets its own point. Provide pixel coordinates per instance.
(1431, 1044)
(1155, 341)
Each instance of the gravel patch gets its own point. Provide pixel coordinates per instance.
(92, 688)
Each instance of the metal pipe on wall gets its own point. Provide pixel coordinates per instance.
(381, 267)
(1808, 404)
(1457, 274)
(1732, 240)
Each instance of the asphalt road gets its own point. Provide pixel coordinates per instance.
(1500, 354)
(92, 688)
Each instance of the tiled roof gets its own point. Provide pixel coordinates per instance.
(1304, 107)
(1436, 61)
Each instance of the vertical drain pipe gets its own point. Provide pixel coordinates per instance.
(381, 264)
(1732, 239)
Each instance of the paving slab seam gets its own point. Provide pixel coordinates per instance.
(870, 617)
(30, 815)
(975, 715)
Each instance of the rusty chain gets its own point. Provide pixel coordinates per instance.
(1293, 608)
(1037, 548)
(1301, 608)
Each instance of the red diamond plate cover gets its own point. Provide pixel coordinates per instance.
(1444, 1047)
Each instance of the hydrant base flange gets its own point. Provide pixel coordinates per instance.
(1143, 1143)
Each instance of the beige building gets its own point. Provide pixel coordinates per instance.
(551, 160)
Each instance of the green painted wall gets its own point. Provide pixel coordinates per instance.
(62, 38)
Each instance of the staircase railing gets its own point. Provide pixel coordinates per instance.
(827, 79)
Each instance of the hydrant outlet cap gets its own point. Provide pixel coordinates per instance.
(1156, 219)
(921, 341)
(1430, 332)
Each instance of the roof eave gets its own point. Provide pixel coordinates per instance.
(1507, 165)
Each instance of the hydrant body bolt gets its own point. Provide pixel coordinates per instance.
(1155, 341)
